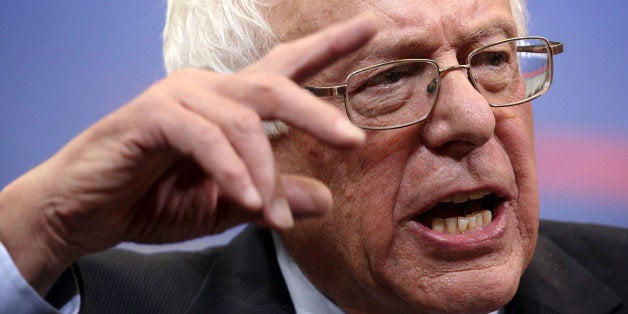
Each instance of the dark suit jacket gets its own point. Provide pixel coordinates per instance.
(576, 269)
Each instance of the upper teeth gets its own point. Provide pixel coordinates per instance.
(462, 224)
(463, 197)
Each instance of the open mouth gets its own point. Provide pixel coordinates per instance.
(462, 213)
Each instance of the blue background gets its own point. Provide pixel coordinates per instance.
(63, 65)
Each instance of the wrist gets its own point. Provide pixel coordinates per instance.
(39, 255)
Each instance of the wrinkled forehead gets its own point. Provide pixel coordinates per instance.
(430, 21)
(408, 28)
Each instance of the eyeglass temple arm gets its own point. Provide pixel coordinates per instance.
(319, 91)
(555, 47)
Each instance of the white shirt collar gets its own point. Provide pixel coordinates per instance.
(305, 296)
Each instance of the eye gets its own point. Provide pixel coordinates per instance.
(495, 59)
(387, 77)
(491, 58)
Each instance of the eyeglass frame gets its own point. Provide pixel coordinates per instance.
(555, 48)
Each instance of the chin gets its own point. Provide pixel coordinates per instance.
(449, 284)
(471, 291)
(479, 293)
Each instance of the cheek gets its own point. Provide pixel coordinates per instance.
(365, 190)
(515, 131)
(365, 186)
(514, 127)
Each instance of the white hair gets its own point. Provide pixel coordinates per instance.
(221, 35)
(520, 15)
(228, 35)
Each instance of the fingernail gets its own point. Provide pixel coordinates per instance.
(281, 214)
(252, 198)
(347, 129)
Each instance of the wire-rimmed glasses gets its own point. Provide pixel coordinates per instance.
(400, 93)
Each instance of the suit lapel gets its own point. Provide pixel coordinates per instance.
(245, 278)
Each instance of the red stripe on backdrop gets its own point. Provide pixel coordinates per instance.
(535, 73)
(587, 166)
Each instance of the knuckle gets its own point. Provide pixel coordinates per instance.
(248, 121)
(210, 135)
(154, 104)
(268, 88)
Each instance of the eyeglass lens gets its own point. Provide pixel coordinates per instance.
(403, 92)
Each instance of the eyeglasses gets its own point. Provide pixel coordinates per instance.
(400, 93)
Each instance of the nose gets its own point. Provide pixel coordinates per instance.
(461, 119)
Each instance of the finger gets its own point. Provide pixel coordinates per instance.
(278, 215)
(192, 135)
(303, 58)
(307, 197)
(241, 125)
(266, 87)
(275, 97)
(244, 130)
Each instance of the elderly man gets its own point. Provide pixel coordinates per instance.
(413, 116)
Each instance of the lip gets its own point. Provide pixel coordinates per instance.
(483, 237)
(499, 190)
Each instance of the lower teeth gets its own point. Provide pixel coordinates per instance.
(463, 224)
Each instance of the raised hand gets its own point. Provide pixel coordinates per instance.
(188, 157)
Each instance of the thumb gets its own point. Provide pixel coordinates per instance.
(307, 197)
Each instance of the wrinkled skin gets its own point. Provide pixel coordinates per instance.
(177, 161)
(187, 157)
(369, 254)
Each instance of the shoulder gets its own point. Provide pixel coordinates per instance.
(591, 244)
(576, 268)
(558, 230)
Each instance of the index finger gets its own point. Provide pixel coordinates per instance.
(305, 57)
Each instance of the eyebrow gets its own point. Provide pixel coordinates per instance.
(501, 27)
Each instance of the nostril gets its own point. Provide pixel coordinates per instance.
(456, 149)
